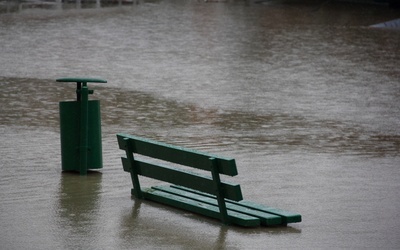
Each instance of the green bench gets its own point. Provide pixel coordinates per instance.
(198, 193)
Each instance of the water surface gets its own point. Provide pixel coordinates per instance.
(305, 97)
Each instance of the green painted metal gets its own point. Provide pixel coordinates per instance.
(130, 161)
(182, 177)
(286, 216)
(199, 207)
(78, 79)
(219, 190)
(266, 219)
(70, 139)
(80, 127)
(83, 146)
(175, 154)
(195, 192)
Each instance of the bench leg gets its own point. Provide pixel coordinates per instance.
(220, 194)
(134, 175)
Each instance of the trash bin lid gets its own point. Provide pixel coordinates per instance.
(76, 79)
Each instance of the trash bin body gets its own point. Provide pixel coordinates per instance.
(71, 137)
(80, 129)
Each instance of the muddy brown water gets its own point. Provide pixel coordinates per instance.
(305, 97)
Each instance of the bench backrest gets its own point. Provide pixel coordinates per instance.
(178, 155)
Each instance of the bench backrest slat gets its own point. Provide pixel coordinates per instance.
(179, 155)
(183, 178)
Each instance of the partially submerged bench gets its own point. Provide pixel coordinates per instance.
(202, 194)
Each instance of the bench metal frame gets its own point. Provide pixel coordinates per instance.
(202, 194)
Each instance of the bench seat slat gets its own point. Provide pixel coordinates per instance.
(266, 219)
(199, 207)
(175, 154)
(287, 217)
(183, 178)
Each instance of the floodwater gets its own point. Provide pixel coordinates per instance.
(305, 97)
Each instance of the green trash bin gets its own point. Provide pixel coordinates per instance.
(80, 129)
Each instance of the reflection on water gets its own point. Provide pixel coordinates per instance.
(78, 209)
(140, 226)
(136, 227)
(304, 96)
